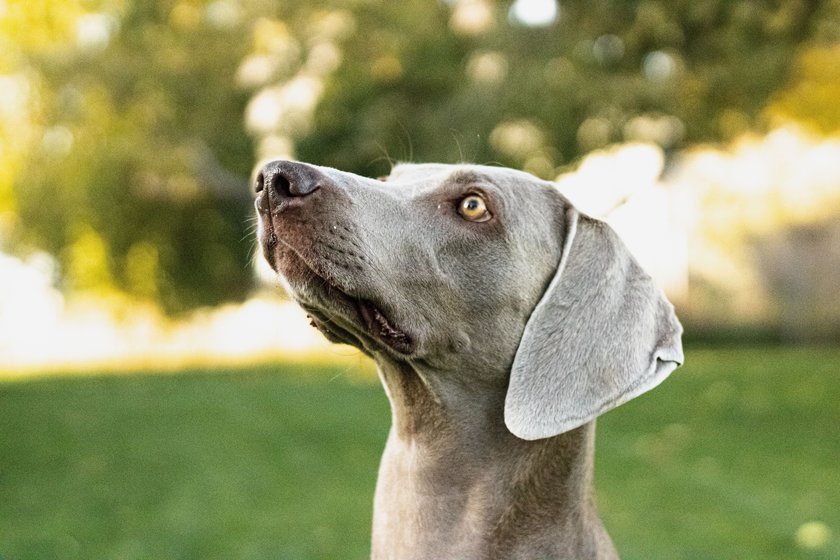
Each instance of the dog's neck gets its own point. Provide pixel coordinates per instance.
(455, 483)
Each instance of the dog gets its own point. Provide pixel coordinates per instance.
(502, 320)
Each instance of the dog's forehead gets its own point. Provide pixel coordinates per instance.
(431, 175)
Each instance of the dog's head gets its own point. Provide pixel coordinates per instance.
(485, 273)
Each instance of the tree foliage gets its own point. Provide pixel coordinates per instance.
(132, 127)
(139, 180)
(606, 71)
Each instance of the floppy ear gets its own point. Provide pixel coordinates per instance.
(602, 334)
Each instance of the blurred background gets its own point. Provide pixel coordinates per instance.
(707, 132)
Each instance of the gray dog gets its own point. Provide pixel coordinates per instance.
(502, 321)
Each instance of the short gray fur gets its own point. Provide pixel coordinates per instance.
(498, 343)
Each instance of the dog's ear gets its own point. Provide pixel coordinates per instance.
(602, 334)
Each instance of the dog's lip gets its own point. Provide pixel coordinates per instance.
(380, 326)
(369, 317)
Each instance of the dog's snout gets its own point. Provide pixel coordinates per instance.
(287, 179)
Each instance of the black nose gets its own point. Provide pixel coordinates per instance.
(290, 178)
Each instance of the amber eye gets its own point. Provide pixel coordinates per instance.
(473, 208)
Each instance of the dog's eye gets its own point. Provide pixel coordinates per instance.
(473, 208)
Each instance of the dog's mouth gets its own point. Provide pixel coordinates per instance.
(381, 327)
(364, 315)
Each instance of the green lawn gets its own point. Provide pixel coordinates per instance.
(727, 459)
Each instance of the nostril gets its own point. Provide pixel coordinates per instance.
(281, 185)
(289, 179)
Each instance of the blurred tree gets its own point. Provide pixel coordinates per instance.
(124, 151)
(24, 29)
(812, 95)
(137, 180)
(487, 81)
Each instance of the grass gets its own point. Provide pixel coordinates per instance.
(727, 459)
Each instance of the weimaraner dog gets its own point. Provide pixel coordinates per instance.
(502, 322)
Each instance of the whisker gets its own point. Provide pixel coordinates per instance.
(385, 156)
(341, 373)
(252, 253)
(408, 139)
(454, 133)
